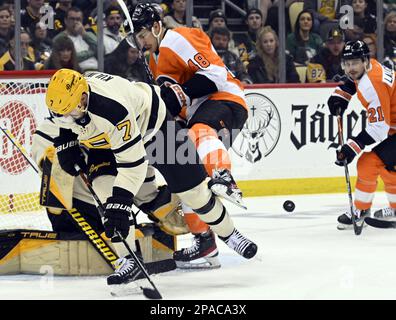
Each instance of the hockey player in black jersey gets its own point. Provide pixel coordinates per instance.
(104, 111)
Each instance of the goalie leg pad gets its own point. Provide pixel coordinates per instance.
(56, 185)
(165, 210)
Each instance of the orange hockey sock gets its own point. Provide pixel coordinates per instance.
(195, 224)
(368, 168)
(211, 150)
(389, 178)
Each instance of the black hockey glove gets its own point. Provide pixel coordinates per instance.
(337, 105)
(118, 214)
(348, 152)
(69, 152)
(175, 98)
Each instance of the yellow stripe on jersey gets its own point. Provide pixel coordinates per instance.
(100, 141)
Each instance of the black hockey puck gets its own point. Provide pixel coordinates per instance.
(289, 206)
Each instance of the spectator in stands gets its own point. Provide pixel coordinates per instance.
(326, 14)
(91, 17)
(265, 5)
(177, 16)
(84, 42)
(161, 10)
(124, 62)
(327, 63)
(390, 35)
(372, 6)
(389, 5)
(86, 6)
(357, 32)
(220, 38)
(5, 28)
(390, 39)
(60, 14)
(246, 42)
(272, 17)
(303, 44)
(264, 67)
(7, 60)
(217, 19)
(371, 40)
(360, 12)
(63, 55)
(31, 15)
(111, 33)
(41, 44)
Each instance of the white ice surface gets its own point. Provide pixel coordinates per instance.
(301, 256)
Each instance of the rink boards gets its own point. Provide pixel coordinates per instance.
(288, 143)
(286, 147)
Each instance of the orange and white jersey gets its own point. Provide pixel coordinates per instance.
(184, 52)
(376, 91)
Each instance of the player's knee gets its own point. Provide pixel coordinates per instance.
(213, 213)
(204, 203)
(201, 132)
(196, 197)
(368, 165)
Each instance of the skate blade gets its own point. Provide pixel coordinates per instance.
(126, 289)
(341, 226)
(220, 191)
(202, 263)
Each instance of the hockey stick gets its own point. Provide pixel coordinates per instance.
(93, 237)
(149, 293)
(19, 147)
(357, 228)
(135, 43)
(382, 224)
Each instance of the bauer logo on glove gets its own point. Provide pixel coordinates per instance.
(67, 145)
(69, 153)
(118, 216)
(119, 206)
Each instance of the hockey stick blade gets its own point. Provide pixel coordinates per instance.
(358, 228)
(151, 293)
(382, 224)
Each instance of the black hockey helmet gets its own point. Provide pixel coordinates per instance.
(355, 50)
(144, 16)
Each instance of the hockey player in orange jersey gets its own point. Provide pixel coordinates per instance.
(196, 85)
(375, 87)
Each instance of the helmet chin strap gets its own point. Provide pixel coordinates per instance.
(367, 65)
(157, 36)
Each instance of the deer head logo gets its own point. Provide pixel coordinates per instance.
(261, 131)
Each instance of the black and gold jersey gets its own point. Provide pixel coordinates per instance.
(122, 116)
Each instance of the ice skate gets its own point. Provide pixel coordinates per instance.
(385, 213)
(223, 185)
(203, 254)
(345, 220)
(126, 271)
(240, 244)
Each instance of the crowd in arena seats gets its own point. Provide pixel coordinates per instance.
(314, 36)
